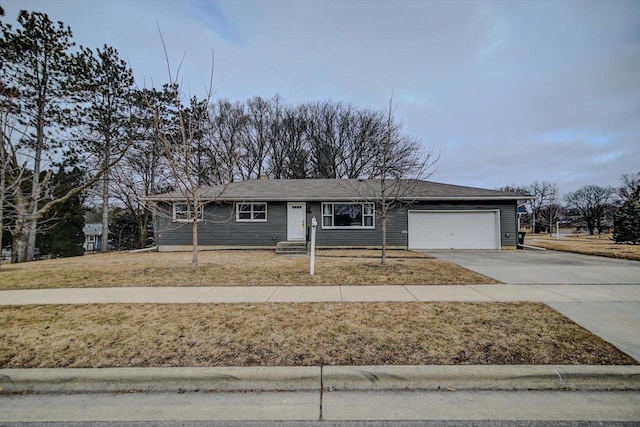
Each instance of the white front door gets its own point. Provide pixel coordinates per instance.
(296, 221)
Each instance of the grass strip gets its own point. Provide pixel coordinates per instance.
(587, 245)
(295, 334)
(232, 268)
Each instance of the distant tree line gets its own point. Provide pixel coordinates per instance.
(591, 206)
(76, 129)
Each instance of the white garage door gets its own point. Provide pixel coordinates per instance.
(454, 230)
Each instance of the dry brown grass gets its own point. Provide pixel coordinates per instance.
(295, 335)
(585, 244)
(371, 253)
(230, 268)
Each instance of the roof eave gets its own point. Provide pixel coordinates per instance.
(337, 199)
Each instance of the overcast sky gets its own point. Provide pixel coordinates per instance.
(507, 92)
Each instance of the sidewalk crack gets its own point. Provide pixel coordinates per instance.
(480, 292)
(272, 293)
(410, 293)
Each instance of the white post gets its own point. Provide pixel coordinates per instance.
(557, 230)
(312, 267)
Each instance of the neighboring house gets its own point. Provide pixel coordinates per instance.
(92, 237)
(261, 213)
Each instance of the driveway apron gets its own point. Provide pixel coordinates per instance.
(524, 267)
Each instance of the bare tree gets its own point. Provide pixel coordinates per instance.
(278, 143)
(630, 188)
(323, 138)
(228, 130)
(399, 164)
(179, 136)
(549, 211)
(294, 127)
(143, 168)
(590, 201)
(544, 194)
(366, 134)
(255, 144)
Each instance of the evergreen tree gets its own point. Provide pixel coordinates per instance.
(626, 223)
(124, 231)
(104, 88)
(62, 234)
(35, 60)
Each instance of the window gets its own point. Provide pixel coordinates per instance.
(91, 238)
(182, 212)
(348, 215)
(251, 212)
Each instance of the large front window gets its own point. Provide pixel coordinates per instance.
(348, 215)
(251, 212)
(182, 212)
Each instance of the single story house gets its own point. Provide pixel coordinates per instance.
(92, 237)
(263, 212)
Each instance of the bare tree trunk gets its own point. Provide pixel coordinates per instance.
(384, 205)
(104, 246)
(3, 187)
(142, 222)
(383, 258)
(19, 247)
(35, 185)
(194, 254)
(20, 230)
(2, 192)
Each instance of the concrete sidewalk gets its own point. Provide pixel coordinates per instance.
(263, 294)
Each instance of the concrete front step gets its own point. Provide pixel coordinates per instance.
(291, 248)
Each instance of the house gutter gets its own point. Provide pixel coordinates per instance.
(336, 199)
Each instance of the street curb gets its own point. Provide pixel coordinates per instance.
(328, 378)
(482, 377)
(110, 380)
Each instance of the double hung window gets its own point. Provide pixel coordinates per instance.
(251, 212)
(182, 212)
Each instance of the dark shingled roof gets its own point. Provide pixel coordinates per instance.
(339, 190)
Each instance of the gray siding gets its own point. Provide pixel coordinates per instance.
(220, 226)
(363, 237)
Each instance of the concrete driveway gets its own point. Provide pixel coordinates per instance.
(588, 279)
(521, 267)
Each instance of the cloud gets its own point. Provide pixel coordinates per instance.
(508, 92)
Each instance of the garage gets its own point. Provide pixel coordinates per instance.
(454, 229)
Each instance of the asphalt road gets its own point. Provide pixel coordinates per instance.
(420, 423)
(468, 405)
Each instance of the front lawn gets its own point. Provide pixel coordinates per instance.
(295, 334)
(586, 244)
(235, 268)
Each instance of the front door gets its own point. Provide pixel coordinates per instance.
(296, 221)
